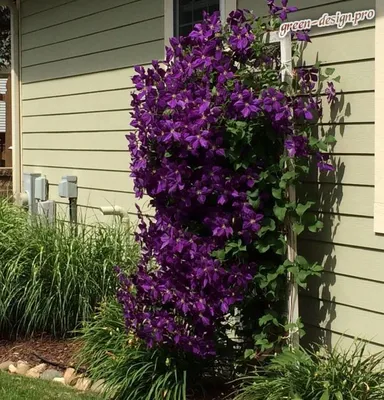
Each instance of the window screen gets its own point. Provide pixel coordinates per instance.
(190, 12)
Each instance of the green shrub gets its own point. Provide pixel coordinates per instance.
(130, 369)
(318, 375)
(51, 278)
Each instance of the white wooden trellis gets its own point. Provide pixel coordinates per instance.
(293, 292)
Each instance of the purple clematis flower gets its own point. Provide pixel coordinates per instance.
(222, 228)
(303, 36)
(323, 163)
(281, 11)
(199, 139)
(247, 104)
(252, 221)
(297, 146)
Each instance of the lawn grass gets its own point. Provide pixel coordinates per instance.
(21, 388)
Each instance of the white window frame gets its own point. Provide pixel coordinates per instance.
(226, 6)
(379, 120)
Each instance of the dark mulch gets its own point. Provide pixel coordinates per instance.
(62, 352)
(57, 351)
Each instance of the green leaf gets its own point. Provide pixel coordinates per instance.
(277, 193)
(301, 261)
(298, 228)
(219, 254)
(330, 71)
(264, 175)
(269, 225)
(262, 248)
(283, 184)
(254, 203)
(303, 168)
(289, 175)
(325, 395)
(264, 344)
(330, 139)
(309, 219)
(337, 79)
(322, 145)
(267, 318)
(253, 195)
(339, 396)
(249, 353)
(313, 141)
(316, 227)
(317, 268)
(280, 212)
(302, 208)
(323, 78)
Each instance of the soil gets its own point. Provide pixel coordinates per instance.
(57, 351)
(62, 352)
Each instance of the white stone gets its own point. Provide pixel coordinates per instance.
(5, 365)
(50, 374)
(69, 376)
(35, 372)
(83, 384)
(59, 380)
(12, 369)
(98, 386)
(22, 368)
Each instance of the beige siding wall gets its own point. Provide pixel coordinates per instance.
(77, 64)
(348, 299)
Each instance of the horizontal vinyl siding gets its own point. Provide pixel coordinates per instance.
(77, 65)
(348, 299)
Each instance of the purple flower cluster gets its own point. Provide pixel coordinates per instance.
(182, 293)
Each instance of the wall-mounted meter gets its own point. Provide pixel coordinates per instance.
(68, 190)
(47, 211)
(41, 188)
(29, 184)
(68, 187)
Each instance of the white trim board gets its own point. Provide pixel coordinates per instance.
(379, 119)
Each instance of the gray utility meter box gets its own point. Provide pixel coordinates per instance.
(41, 188)
(68, 187)
(29, 183)
(47, 210)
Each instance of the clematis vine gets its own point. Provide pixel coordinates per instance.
(211, 120)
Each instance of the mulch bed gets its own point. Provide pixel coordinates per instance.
(59, 352)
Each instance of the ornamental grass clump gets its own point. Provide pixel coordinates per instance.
(130, 370)
(340, 374)
(219, 140)
(51, 277)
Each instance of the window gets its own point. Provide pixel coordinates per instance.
(190, 12)
(181, 15)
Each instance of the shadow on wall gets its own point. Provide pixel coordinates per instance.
(317, 302)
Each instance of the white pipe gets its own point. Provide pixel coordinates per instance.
(116, 210)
